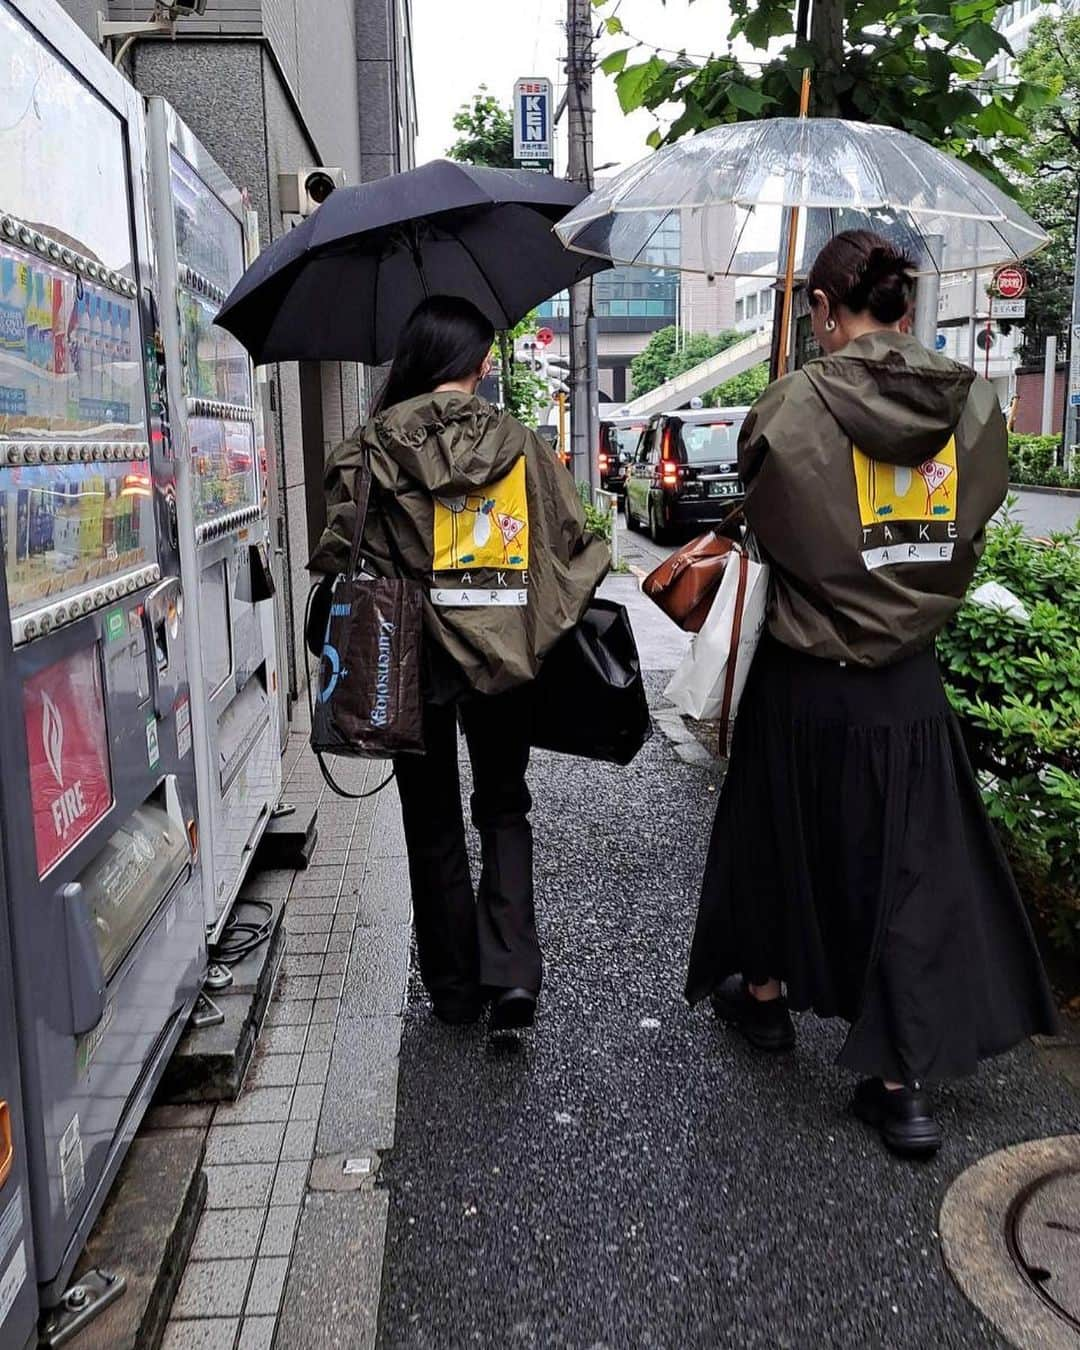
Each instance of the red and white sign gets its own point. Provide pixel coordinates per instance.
(68, 746)
(545, 337)
(1010, 282)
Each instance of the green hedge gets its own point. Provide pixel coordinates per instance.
(1034, 460)
(1015, 685)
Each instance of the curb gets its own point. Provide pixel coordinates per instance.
(1044, 491)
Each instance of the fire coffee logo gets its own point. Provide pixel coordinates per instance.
(70, 805)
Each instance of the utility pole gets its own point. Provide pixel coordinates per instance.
(584, 399)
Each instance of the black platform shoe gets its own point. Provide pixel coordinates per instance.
(902, 1117)
(767, 1025)
(512, 1010)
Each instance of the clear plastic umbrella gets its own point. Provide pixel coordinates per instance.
(732, 189)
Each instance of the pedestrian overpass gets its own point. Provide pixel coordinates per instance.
(701, 378)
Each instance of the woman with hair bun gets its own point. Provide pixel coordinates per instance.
(851, 860)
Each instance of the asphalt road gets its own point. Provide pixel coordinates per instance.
(634, 1175)
(1043, 512)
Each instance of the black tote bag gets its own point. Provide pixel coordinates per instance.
(367, 700)
(589, 697)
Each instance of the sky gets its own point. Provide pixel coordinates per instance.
(460, 44)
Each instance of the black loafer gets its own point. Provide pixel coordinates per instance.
(902, 1117)
(512, 1010)
(766, 1025)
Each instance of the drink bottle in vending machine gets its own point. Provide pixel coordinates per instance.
(98, 805)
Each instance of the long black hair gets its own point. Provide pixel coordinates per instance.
(444, 339)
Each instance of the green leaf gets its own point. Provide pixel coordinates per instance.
(614, 25)
(748, 99)
(634, 82)
(612, 64)
(981, 40)
(939, 68)
(767, 20)
(998, 120)
(654, 139)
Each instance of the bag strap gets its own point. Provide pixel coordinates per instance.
(361, 498)
(733, 650)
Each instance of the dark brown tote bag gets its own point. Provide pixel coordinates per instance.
(368, 700)
(684, 584)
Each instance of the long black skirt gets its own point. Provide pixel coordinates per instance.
(852, 858)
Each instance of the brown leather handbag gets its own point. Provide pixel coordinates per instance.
(684, 584)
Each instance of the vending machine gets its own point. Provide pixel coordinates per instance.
(202, 242)
(18, 1293)
(97, 773)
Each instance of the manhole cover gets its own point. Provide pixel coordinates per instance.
(1044, 1238)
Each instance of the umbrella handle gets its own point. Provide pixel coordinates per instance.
(789, 270)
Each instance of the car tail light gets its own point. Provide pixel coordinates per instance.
(669, 473)
(604, 461)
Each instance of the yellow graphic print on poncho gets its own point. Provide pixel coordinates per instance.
(481, 546)
(907, 515)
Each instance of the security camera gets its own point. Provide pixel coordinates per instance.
(318, 186)
(184, 9)
(303, 192)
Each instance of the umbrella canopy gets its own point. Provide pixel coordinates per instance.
(732, 189)
(341, 285)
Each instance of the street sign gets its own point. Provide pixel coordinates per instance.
(1001, 308)
(940, 342)
(1074, 400)
(534, 122)
(545, 337)
(1010, 282)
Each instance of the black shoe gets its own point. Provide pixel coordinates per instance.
(766, 1025)
(902, 1117)
(512, 1010)
(457, 1014)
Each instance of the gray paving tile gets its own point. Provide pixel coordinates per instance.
(314, 904)
(361, 1090)
(239, 1186)
(320, 1036)
(256, 1104)
(306, 1103)
(347, 905)
(297, 988)
(299, 1140)
(279, 1231)
(212, 1289)
(274, 1070)
(339, 942)
(325, 1010)
(299, 963)
(283, 1040)
(385, 895)
(344, 923)
(216, 1333)
(316, 881)
(314, 1067)
(375, 983)
(290, 1183)
(336, 963)
(349, 1230)
(224, 1233)
(330, 986)
(257, 1333)
(308, 944)
(244, 1143)
(296, 922)
(267, 1283)
(294, 1012)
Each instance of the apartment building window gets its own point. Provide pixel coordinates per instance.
(765, 302)
(740, 310)
(751, 306)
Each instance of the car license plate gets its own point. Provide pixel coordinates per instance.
(724, 489)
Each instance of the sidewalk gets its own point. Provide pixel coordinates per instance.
(632, 1176)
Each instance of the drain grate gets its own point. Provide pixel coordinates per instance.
(1043, 1231)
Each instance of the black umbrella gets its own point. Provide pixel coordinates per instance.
(341, 285)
